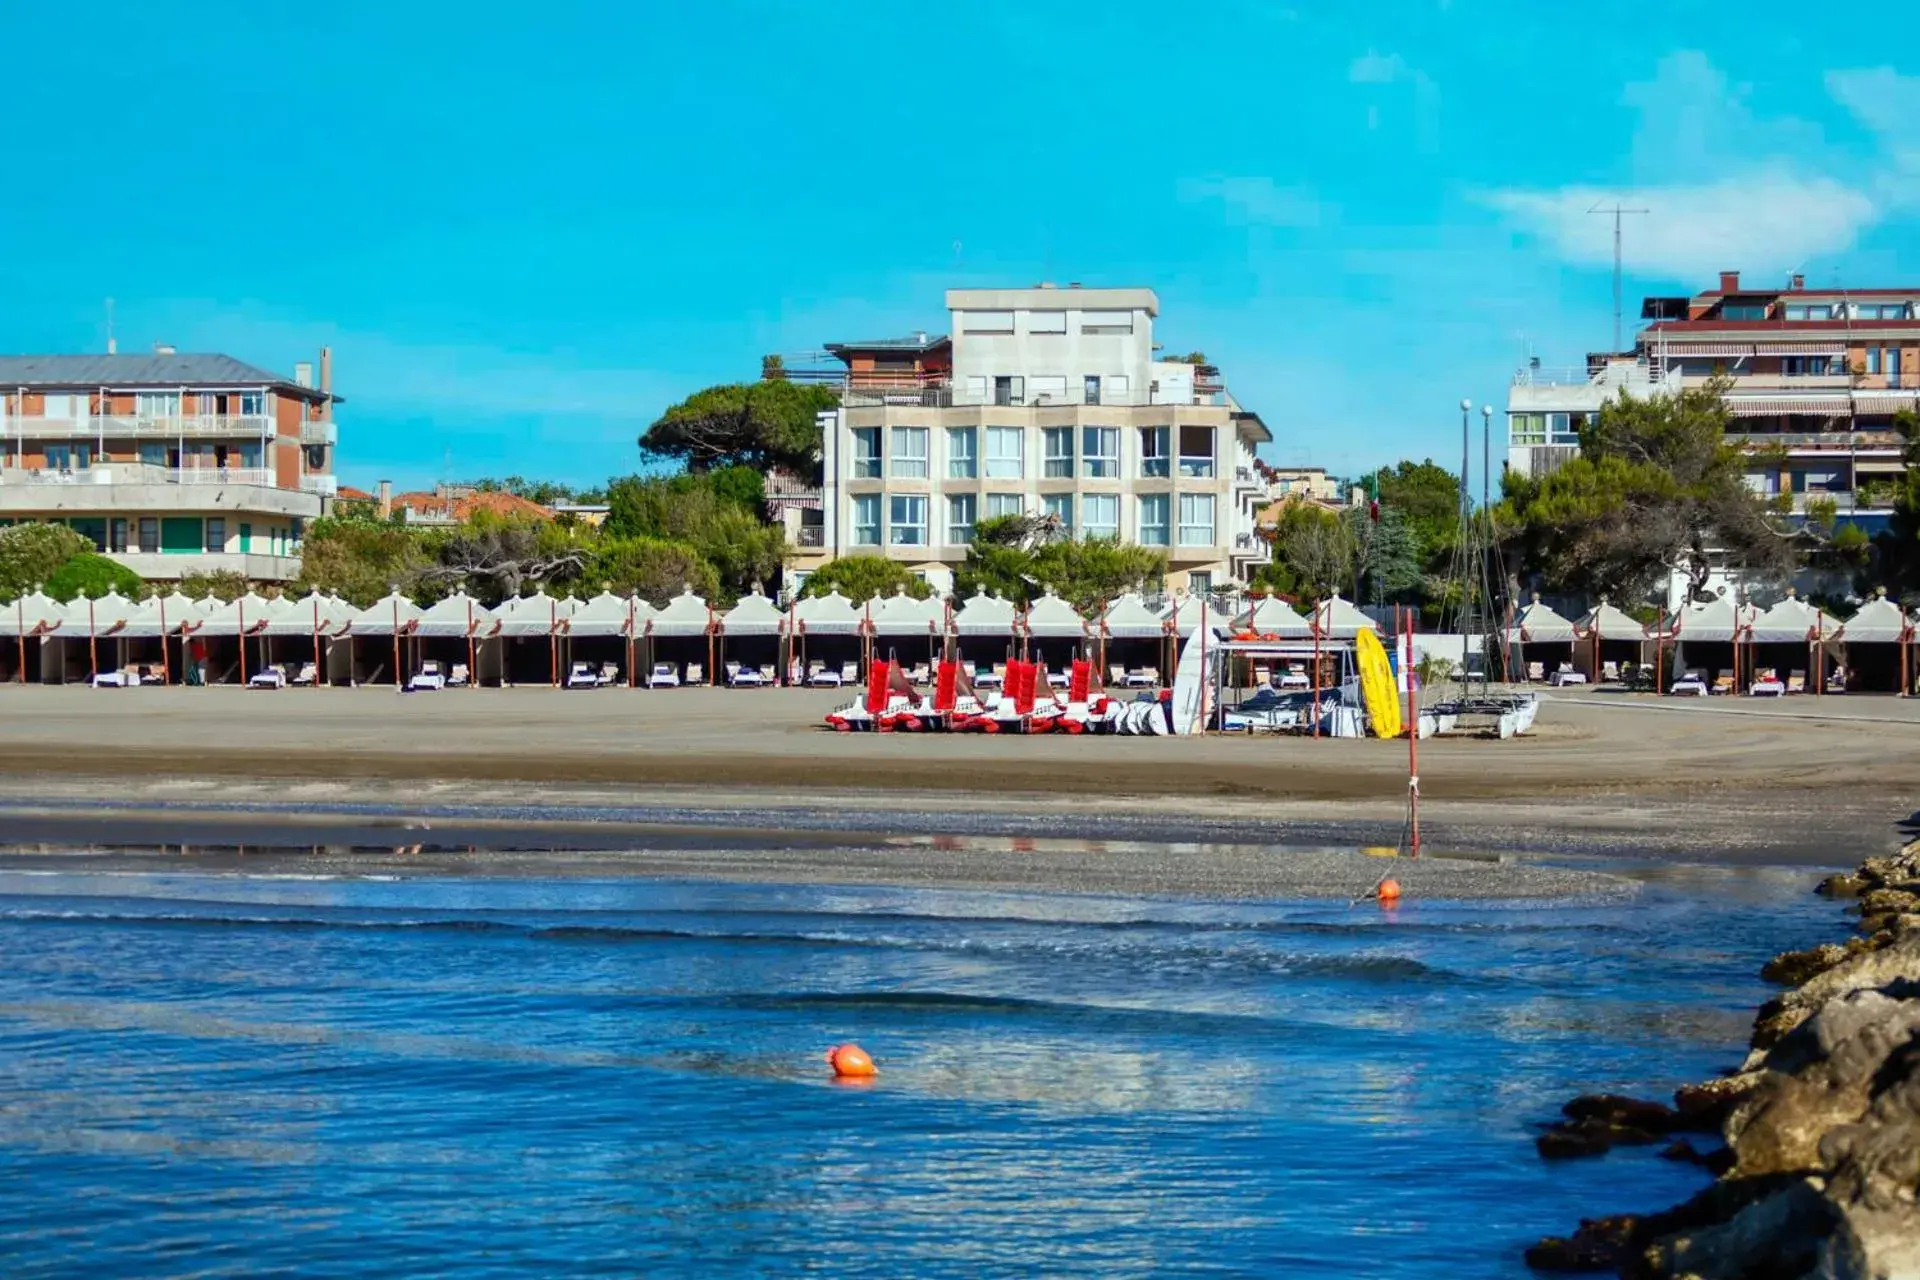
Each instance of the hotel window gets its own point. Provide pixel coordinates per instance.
(1883, 311)
(963, 453)
(1060, 507)
(253, 404)
(1048, 388)
(149, 534)
(1196, 452)
(960, 515)
(986, 322)
(1001, 505)
(907, 520)
(1743, 311)
(216, 535)
(65, 407)
(907, 459)
(866, 520)
(1006, 453)
(1200, 583)
(866, 453)
(1106, 322)
(1153, 520)
(1058, 442)
(1100, 515)
(1196, 520)
(69, 457)
(1008, 389)
(1153, 451)
(1090, 390)
(1798, 311)
(1807, 366)
(156, 404)
(1100, 452)
(117, 533)
(1563, 428)
(1046, 322)
(1526, 428)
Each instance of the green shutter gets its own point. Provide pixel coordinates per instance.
(180, 535)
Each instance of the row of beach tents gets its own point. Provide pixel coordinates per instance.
(1871, 649)
(532, 639)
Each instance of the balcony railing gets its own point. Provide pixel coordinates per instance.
(1196, 468)
(1845, 501)
(117, 473)
(35, 426)
(1154, 468)
(1840, 441)
(320, 432)
(327, 486)
(810, 535)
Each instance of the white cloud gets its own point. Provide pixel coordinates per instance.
(1764, 221)
(1259, 201)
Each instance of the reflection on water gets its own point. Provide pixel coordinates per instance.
(329, 1073)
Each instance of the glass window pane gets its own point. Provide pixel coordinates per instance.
(1153, 520)
(1196, 520)
(1003, 504)
(963, 458)
(1100, 515)
(907, 521)
(909, 453)
(1153, 451)
(1006, 447)
(960, 514)
(866, 520)
(1060, 507)
(866, 453)
(1100, 451)
(1058, 442)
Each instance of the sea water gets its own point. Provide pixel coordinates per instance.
(229, 1075)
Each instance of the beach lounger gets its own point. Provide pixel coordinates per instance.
(306, 675)
(696, 673)
(1767, 684)
(108, 680)
(742, 677)
(458, 676)
(663, 676)
(581, 675)
(429, 677)
(989, 679)
(999, 680)
(1116, 674)
(271, 677)
(1536, 671)
(1837, 682)
(849, 673)
(1262, 675)
(1295, 677)
(1723, 682)
(1691, 685)
(767, 676)
(1796, 682)
(820, 677)
(920, 673)
(1058, 679)
(1610, 672)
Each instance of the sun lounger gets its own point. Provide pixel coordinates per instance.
(663, 676)
(743, 677)
(1262, 675)
(696, 673)
(849, 673)
(306, 675)
(458, 676)
(1796, 682)
(1295, 677)
(920, 673)
(767, 675)
(1566, 675)
(1691, 685)
(1116, 674)
(1610, 672)
(429, 677)
(993, 678)
(1767, 684)
(1058, 679)
(108, 680)
(1536, 671)
(581, 675)
(271, 677)
(1723, 682)
(821, 677)
(1837, 682)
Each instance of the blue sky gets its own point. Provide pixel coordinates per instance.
(526, 229)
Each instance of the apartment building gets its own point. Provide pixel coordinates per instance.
(1042, 401)
(1816, 376)
(171, 463)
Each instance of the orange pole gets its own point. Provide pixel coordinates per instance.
(93, 646)
(396, 642)
(1316, 676)
(240, 611)
(1413, 740)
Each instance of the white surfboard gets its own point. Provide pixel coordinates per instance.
(1190, 681)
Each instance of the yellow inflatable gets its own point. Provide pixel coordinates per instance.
(1377, 687)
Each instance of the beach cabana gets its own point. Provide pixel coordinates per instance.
(600, 632)
(88, 642)
(684, 633)
(1538, 634)
(1271, 617)
(753, 633)
(913, 629)
(1133, 637)
(146, 642)
(25, 625)
(983, 629)
(529, 637)
(1711, 636)
(1877, 646)
(1789, 637)
(1338, 619)
(231, 635)
(1054, 631)
(453, 632)
(378, 640)
(303, 633)
(829, 630)
(1605, 633)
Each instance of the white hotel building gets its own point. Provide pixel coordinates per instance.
(1045, 400)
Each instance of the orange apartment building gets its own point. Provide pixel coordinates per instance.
(170, 462)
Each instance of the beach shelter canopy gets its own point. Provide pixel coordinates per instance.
(984, 615)
(386, 616)
(1128, 618)
(1194, 611)
(685, 615)
(1051, 618)
(1338, 619)
(244, 615)
(1878, 622)
(1606, 622)
(160, 616)
(457, 616)
(901, 615)
(1719, 620)
(1272, 616)
(1792, 621)
(1539, 624)
(831, 615)
(327, 615)
(33, 614)
(536, 615)
(604, 615)
(102, 617)
(754, 615)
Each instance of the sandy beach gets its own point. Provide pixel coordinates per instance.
(746, 783)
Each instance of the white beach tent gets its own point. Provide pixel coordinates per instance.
(984, 615)
(1539, 624)
(33, 616)
(536, 615)
(1878, 622)
(1051, 618)
(901, 615)
(1878, 642)
(685, 615)
(1128, 618)
(305, 632)
(1721, 620)
(1272, 616)
(89, 622)
(601, 633)
(1793, 621)
(457, 617)
(244, 615)
(1194, 611)
(833, 615)
(390, 618)
(603, 616)
(1337, 619)
(1607, 622)
(752, 632)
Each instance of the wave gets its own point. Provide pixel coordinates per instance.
(189, 919)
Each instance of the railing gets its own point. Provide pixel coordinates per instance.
(1196, 468)
(1838, 440)
(1844, 500)
(1154, 468)
(810, 535)
(137, 473)
(327, 486)
(96, 425)
(1564, 376)
(874, 397)
(320, 432)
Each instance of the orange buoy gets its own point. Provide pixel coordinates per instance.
(850, 1061)
(1388, 891)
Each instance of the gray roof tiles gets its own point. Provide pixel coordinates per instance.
(139, 369)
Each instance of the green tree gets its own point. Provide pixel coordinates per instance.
(360, 558)
(861, 578)
(91, 575)
(1427, 496)
(1090, 572)
(544, 492)
(1315, 553)
(1387, 558)
(1898, 548)
(742, 486)
(222, 585)
(999, 562)
(703, 511)
(30, 553)
(656, 569)
(757, 424)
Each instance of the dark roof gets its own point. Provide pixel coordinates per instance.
(141, 370)
(912, 342)
(1836, 327)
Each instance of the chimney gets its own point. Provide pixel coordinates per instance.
(385, 490)
(1729, 282)
(303, 374)
(163, 348)
(326, 382)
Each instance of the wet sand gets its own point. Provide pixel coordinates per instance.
(745, 782)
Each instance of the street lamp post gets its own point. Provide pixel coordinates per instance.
(1486, 453)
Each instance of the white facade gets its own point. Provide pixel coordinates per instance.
(1547, 407)
(1055, 406)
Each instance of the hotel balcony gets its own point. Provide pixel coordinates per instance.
(97, 426)
(1820, 441)
(327, 432)
(136, 487)
(325, 485)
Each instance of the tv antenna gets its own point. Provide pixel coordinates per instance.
(1618, 211)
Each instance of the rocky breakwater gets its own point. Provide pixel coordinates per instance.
(1820, 1169)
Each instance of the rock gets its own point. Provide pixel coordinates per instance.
(1600, 1244)
(1898, 961)
(1843, 885)
(1598, 1122)
(1876, 1173)
(1682, 1152)
(1622, 1112)
(1779, 1235)
(1705, 1106)
(1791, 968)
(1889, 902)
